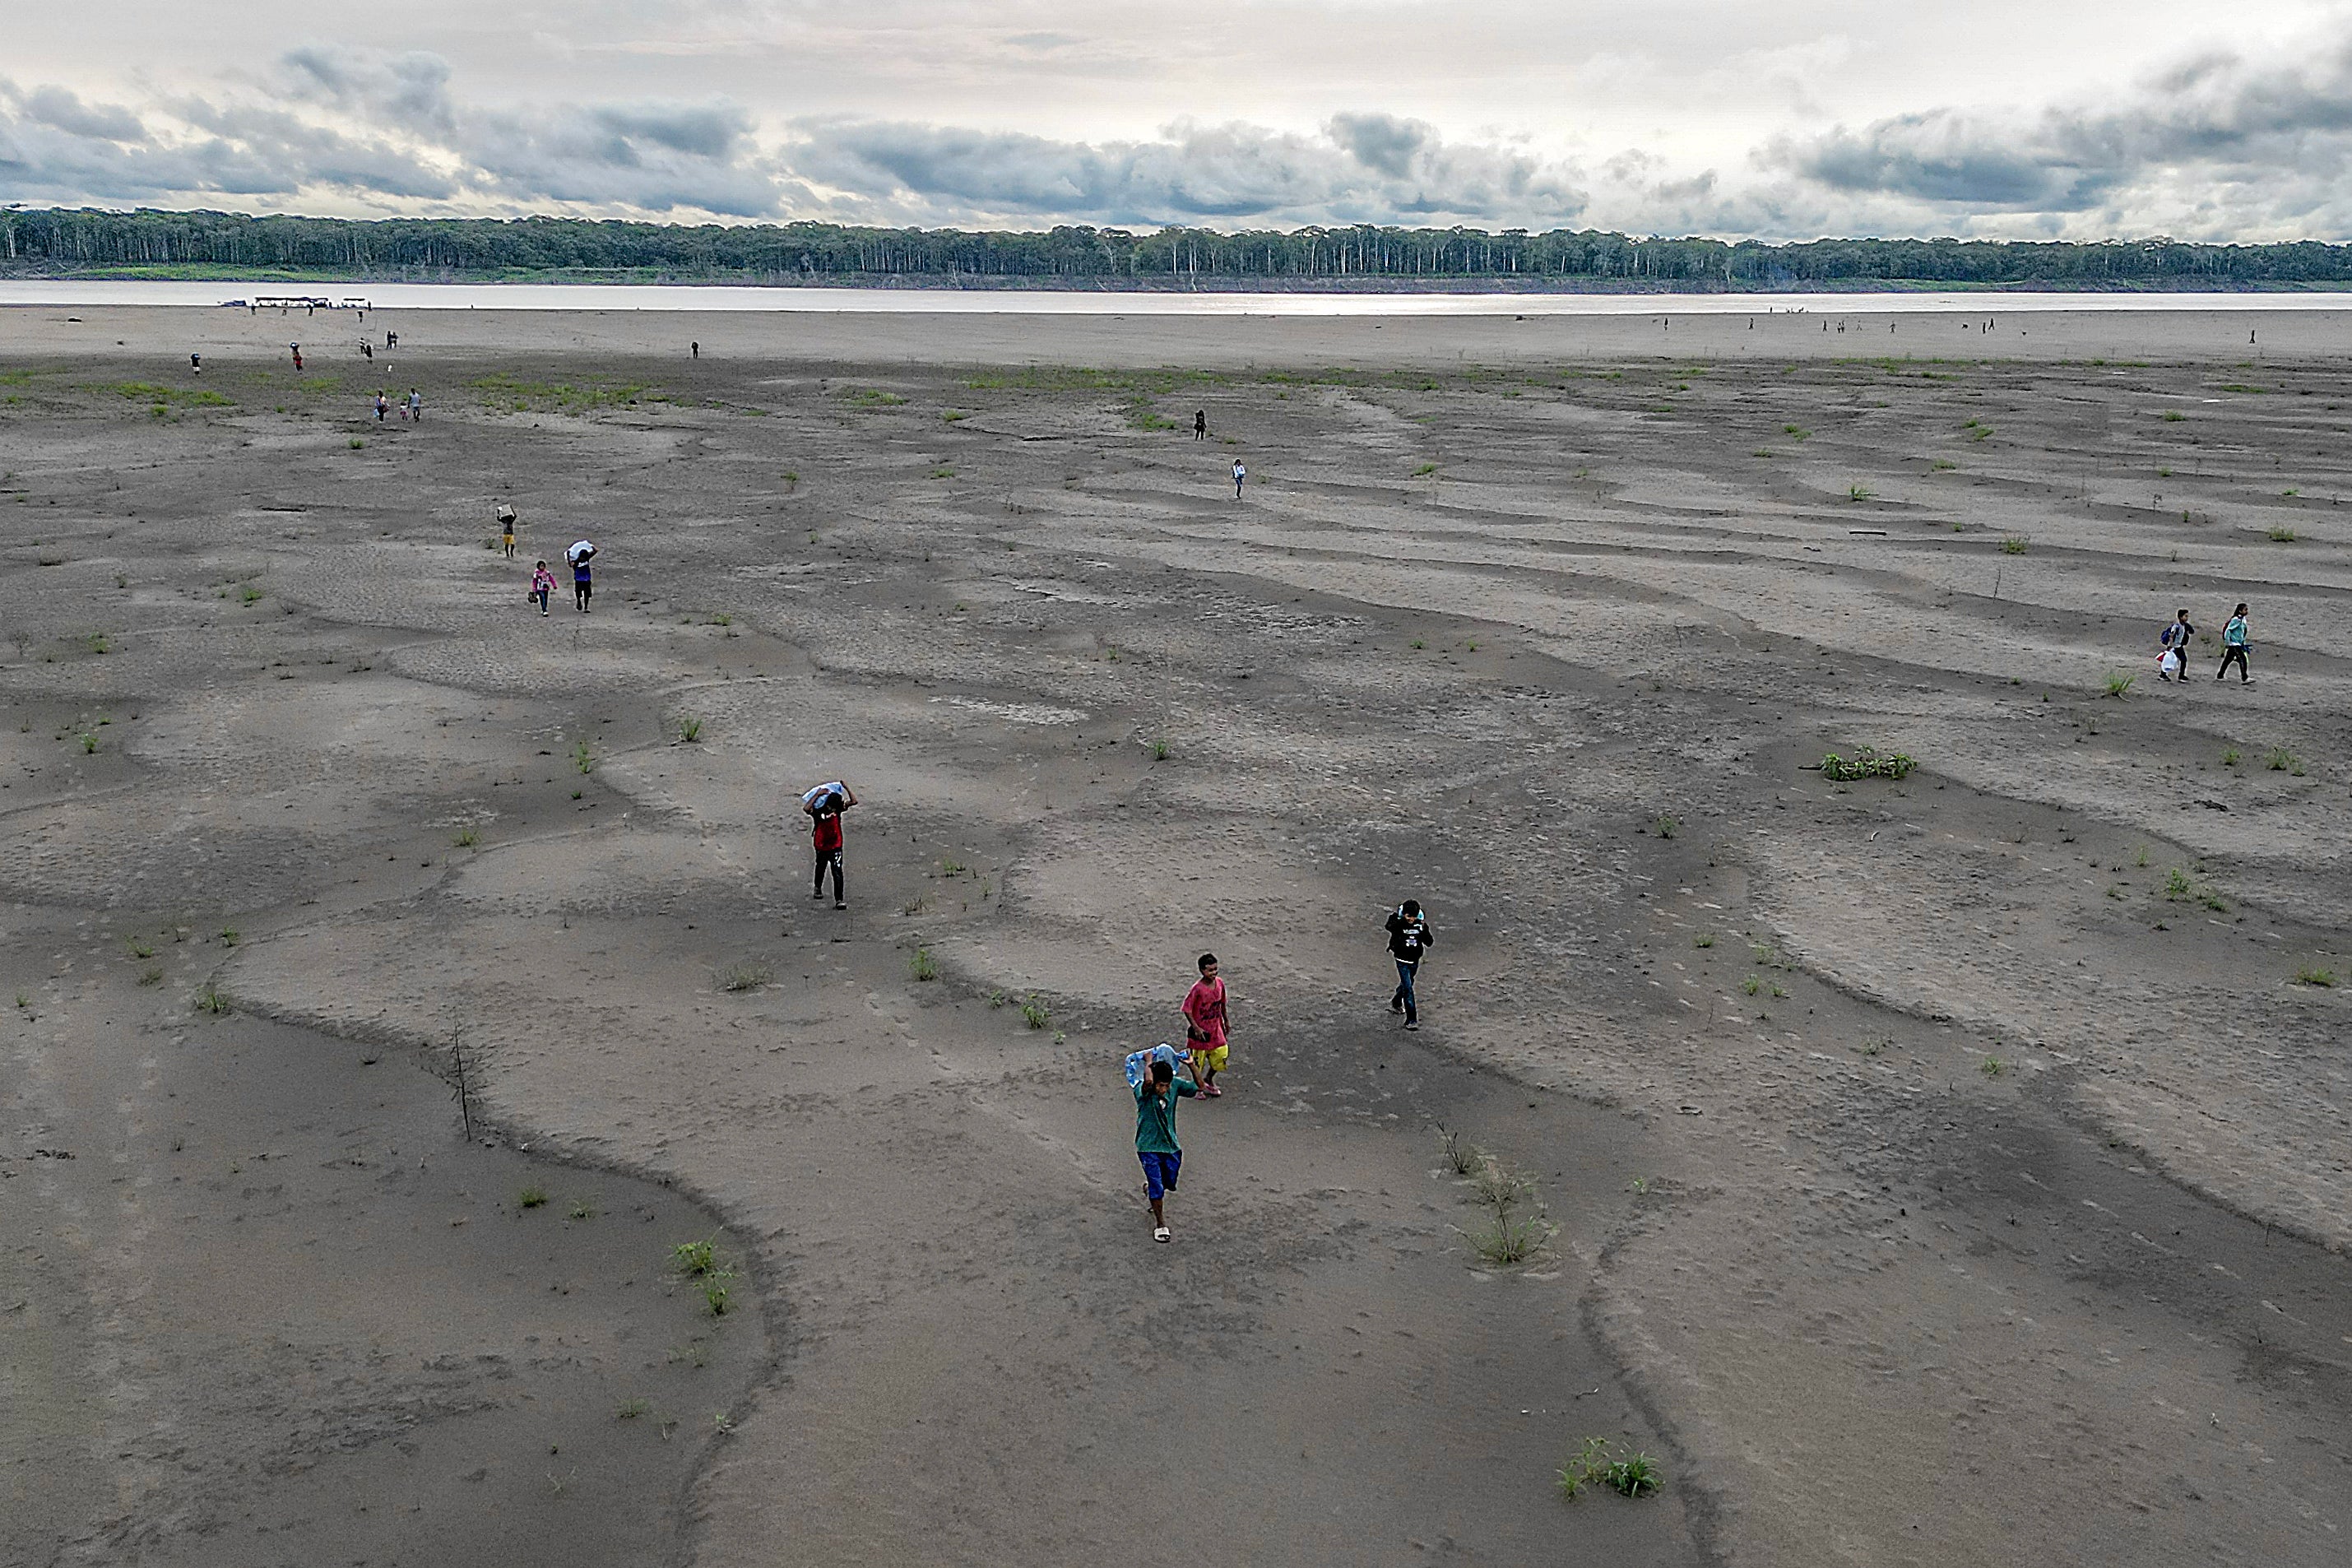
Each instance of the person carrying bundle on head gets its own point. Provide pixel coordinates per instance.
(824, 806)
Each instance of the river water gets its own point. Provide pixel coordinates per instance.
(69, 292)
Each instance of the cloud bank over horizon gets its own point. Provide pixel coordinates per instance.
(2209, 143)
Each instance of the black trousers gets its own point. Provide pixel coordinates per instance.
(825, 859)
(2228, 654)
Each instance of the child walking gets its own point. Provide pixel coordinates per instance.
(1155, 1136)
(2233, 645)
(505, 529)
(543, 584)
(1204, 1027)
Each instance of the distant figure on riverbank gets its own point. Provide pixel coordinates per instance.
(696, 347)
(1240, 474)
(506, 530)
(297, 350)
(196, 365)
(416, 407)
(1409, 940)
(383, 406)
(1199, 424)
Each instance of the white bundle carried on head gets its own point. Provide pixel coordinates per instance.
(581, 551)
(1139, 1062)
(816, 797)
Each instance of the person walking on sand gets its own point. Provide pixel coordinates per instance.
(196, 365)
(582, 583)
(416, 407)
(1199, 424)
(1240, 474)
(383, 406)
(543, 584)
(1155, 1136)
(1205, 1024)
(2233, 646)
(1408, 939)
(823, 806)
(297, 350)
(506, 530)
(2174, 660)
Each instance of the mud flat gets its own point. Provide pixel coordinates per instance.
(1949, 1169)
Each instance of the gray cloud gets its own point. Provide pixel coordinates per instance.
(386, 130)
(1362, 167)
(2266, 143)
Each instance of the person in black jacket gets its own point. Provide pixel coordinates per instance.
(1409, 938)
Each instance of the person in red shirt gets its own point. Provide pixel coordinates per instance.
(1205, 1025)
(824, 806)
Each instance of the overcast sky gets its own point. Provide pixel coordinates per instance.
(2005, 117)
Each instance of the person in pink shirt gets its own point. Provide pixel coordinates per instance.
(543, 584)
(1205, 1025)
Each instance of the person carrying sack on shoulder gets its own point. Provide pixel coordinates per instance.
(1408, 939)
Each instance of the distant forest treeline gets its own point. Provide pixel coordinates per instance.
(1364, 255)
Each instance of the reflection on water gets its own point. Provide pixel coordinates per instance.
(1073, 303)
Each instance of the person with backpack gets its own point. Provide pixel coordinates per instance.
(2235, 646)
(2174, 660)
(824, 806)
(1408, 939)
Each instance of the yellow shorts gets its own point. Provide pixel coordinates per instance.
(1214, 1059)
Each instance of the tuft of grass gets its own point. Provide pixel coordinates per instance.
(746, 976)
(630, 1409)
(2229, 757)
(89, 743)
(1458, 1154)
(1856, 492)
(1424, 470)
(2279, 759)
(1666, 827)
(228, 936)
(2177, 886)
(356, 443)
(209, 999)
(1505, 1238)
(695, 1257)
(2324, 978)
(1942, 466)
(531, 1197)
(1751, 986)
(1159, 751)
(1633, 1475)
(1796, 432)
(923, 965)
(152, 975)
(1594, 1464)
(140, 949)
(466, 838)
(689, 730)
(2281, 534)
(1991, 1066)
(943, 473)
(1499, 1185)
(582, 758)
(1035, 1012)
(583, 1209)
(2174, 416)
(1704, 938)
(715, 1296)
(2118, 684)
(2015, 544)
(99, 643)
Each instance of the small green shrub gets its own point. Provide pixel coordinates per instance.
(1458, 1153)
(1505, 1238)
(1035, 1012)
(2176, 885)
(1990, 1068)
(1159, 751)
(689, 730)
(209, 999)
(695, 1257)
(1666, 827)
(1866, 763)
(1704, 938)
(746, 976)
(924, 965)
(2015, 544)
(531, 1197)
(582, 758)
(466, 838)
(2323, 978)
(715, 1296)
(1751, 986)
(2281, 534)
(630, 1409)
(2279, 759)
(2229, 757)
(2119, 684)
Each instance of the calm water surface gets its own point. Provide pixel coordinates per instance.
(1042, 302)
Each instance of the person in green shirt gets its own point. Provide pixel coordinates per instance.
(1155, 1137)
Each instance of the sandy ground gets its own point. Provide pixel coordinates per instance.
(1949, 1171)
